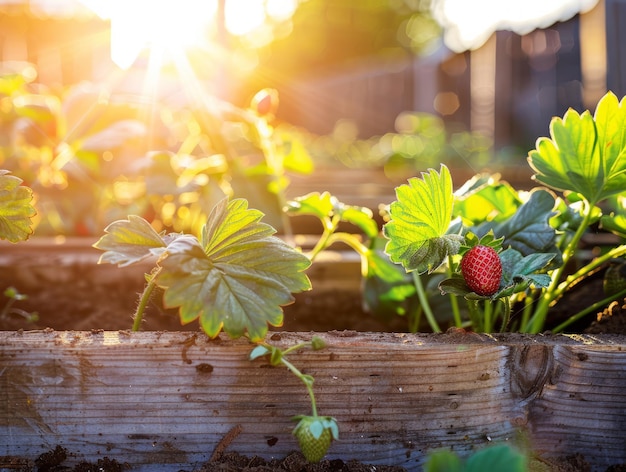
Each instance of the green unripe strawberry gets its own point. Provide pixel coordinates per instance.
(482, 270)
(314, 435)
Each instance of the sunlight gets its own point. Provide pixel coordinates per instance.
(164, 26)
(243, 16)
(171, 28)
(469, 24)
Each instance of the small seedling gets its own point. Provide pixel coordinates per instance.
(314, 433)
(13, 296)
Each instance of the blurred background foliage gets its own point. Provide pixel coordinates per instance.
(348, 85)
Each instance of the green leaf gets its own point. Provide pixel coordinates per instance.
(585, 154)
(500, 458)
(419, 221)
(616, 224)
(518, 271)
(443, 461)
(485, 199)
(325, 206)
(315, 203)
(361, 217)
(528, 230)
(16, 212)
(237, 278)
(297, 158)
(610, 119)
(387, 288)
(259, 351)
(456, 286)
(129, 241)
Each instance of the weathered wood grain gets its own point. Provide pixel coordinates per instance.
(169, 398)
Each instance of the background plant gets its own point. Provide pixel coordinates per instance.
(16, 220)
(93, 155)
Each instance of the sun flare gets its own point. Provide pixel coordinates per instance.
(173, 27)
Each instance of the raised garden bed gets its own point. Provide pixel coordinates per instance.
(177, 399)
(173, 399)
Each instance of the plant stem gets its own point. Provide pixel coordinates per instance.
(144, 300)
(454, 302)
(487, 321)
(538, 319)
(507, 314)
(276, 167)
(472, 308)
(330, 225)
(307, 380)
(423, 298)
(586, 311)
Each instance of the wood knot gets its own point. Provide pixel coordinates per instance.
(530, 368)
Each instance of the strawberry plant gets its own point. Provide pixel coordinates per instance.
(314, 433)
(386, 288)
(235, 277)
(538, 233)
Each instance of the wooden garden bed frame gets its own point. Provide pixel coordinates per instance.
(174, 398)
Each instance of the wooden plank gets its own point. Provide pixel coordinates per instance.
(169, 398)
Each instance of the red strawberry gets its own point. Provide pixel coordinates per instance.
(482, 270)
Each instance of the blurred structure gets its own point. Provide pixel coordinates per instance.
(508, 89)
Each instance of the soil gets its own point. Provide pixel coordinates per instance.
(88, 301)
(53, 461)
(81, 304)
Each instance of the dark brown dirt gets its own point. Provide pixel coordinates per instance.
(54, 460)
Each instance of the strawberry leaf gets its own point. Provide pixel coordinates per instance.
(499, 457)
(129, 241)
(585, 154)
(315, 203)
(360, 217)
(16, 212)
(419, 221)
(483, 198)
(387, 287)
(325, 206)
(528, 230)
(518, 271)
(238, 276)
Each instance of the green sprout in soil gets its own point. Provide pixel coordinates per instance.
(314, 433)
(13, 295)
